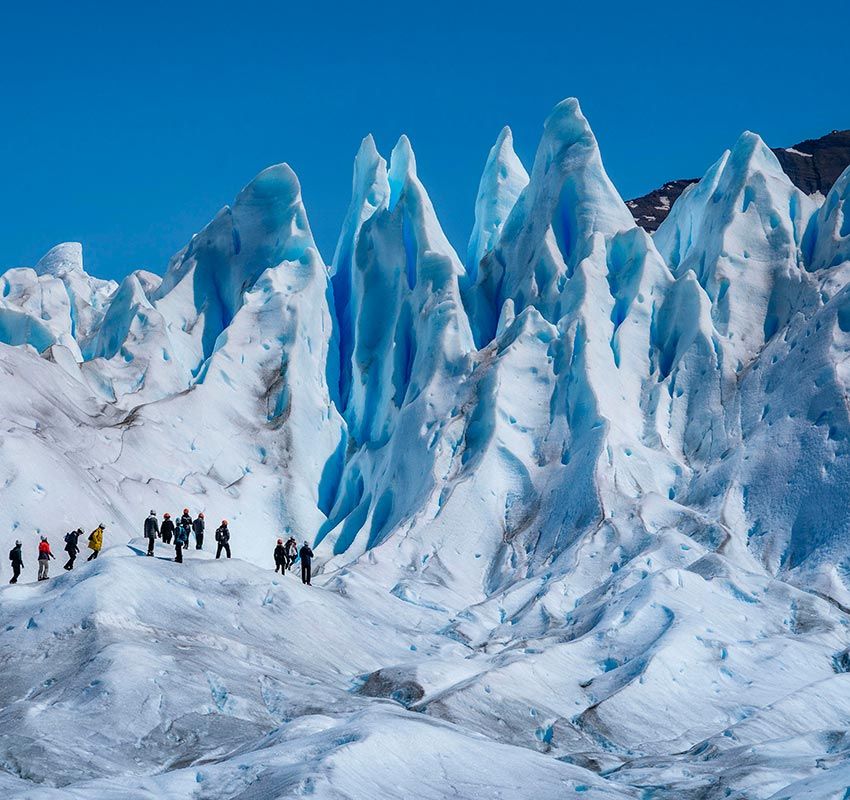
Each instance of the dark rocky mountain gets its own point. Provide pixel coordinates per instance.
(652, 209)
(813, 166)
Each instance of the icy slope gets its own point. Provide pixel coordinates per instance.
(216, 679)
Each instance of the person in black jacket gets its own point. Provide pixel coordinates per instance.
(279, 557)
(306, 556)
(181, 540)
(72, 547)
(16, 556)
(198, 527)
(167, 529)
(151, 530)
(185, 524)
(222, 536)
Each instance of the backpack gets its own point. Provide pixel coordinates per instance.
(70, 538)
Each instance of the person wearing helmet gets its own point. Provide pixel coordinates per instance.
(72, 547)
(96, 541)
(44, 556)
(222, 536)
(185, 522)
(167, 529)
(16, 556)
(151, 530)
(306, 556)
(280, 557)
(198, 527)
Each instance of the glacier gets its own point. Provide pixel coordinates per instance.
(577, 495)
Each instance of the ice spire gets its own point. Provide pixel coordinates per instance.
(740, 230)
(369, 192)
(62, 258)
(502, 181)
(828, 237)
(266, 226)
(569, 199)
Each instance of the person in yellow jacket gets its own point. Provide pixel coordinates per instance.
(96, 541)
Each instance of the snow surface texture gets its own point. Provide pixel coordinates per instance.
(578, 502)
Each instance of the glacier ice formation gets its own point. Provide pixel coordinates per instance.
(578, 497)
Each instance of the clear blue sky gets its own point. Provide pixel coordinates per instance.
(127, 126)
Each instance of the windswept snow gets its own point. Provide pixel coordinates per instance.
(578, 499)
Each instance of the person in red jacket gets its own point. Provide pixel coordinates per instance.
(44, 556)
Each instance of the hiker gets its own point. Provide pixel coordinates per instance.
(198, 527)
(44, 556)
(290, 550)
(151, 530)
(222, 536)
(96, 541)
(167, 529)
(280, 557)
(306, 556)
(16, 556)
(181, 540)
(186, 522)
(72, 547)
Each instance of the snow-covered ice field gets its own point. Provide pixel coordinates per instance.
(578, 500)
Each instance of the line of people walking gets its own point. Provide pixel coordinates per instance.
(181, 532)
(285, 553)
(45, 554)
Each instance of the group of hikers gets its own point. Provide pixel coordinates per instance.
(285, 553)
(72, 548)
(181, 531)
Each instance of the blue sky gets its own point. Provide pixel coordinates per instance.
(126, 126)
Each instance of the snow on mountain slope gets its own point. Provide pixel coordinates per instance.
(578, 503)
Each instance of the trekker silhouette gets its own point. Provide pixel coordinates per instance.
(44, 556)
(280, 557)
(181, 540)
(151, 530)
(72, 547)
(306, 556)
(198, 527)
(186, 523)
(96, 541)
(167, 529)
(17, 558)
(222, 536)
